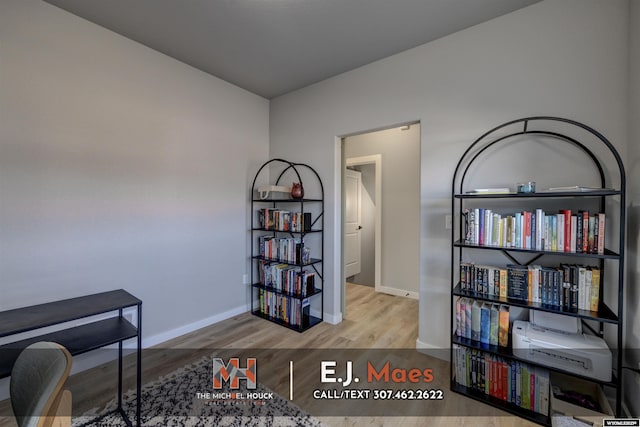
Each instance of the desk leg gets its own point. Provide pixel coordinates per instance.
(139, 366)
(120, 371)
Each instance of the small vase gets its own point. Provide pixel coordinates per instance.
(297, 192)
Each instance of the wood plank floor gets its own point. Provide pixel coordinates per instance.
(372, 321)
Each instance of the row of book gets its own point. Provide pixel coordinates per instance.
(485, 323)
(567, 287)
(537, 230)
(292, 311)
(283, 220)
(289, 250)
(511, 381)
(284, 277)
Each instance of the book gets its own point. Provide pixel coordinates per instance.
(579, 229)
(540, 220)
(560, 232)
(582, 287)
(590, 240)
(601, 233)
(497, 190)
(459, 321)
(574, 229)
(572, 188)
(485, 323)
(517, 282)
(494, 324)
(566, 221)
(595, 289)
(503, 283)
(468, 318)
(585, 231)
(503, 326)
(475, 321)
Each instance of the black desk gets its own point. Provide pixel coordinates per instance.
(77, 339)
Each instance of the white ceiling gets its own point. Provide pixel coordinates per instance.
(271, 47)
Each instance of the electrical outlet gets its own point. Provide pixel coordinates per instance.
(245, 279)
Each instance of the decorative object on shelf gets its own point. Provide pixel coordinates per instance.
(297, 192)
(265, 191)
(526, 187)
(287, 248)
(569, 222)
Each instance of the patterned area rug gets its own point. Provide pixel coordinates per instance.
(173, 401)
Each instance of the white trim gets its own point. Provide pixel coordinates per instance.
(397, 292)
(333, 319)
(338, 270)
(432, 350)
(376, 160)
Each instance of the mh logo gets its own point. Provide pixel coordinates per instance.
(232, 371)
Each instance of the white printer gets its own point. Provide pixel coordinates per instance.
(581, 354)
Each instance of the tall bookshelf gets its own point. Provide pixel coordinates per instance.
(287, 245)
(607, 321)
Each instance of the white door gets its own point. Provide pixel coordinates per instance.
(352, 185)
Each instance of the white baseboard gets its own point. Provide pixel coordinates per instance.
(333, 319)
(432, 350)
(397, 292)
(182, 330)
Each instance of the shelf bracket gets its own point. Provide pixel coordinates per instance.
(516, 261)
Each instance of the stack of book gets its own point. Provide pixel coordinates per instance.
(485, 323)
(564, 231)
(287, 278)
(288, 310)
(567, 287)
(508, 380)
(283, 220)
(289, 250)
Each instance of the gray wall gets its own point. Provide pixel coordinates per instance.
(562, 58)
(121, 168)
(400, 151)
(633, 180)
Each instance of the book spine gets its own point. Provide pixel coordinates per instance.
(494, 325)
(539, 229)
(518, 230)
(503, 283)
(560, 232)
(503, 327)
(517, 282)
(485, 323)
(574, 229)
(481, 227)
(567, 229)
(579, 228)
(527, 229)
(591, 235)
(601, 233)
(595, 289)
(582, 287)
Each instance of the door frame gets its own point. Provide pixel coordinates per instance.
(376, 160)
(339, 289)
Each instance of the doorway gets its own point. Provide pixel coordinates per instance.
(387, 221)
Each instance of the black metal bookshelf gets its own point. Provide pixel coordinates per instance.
(311, 233)
(612, 258)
